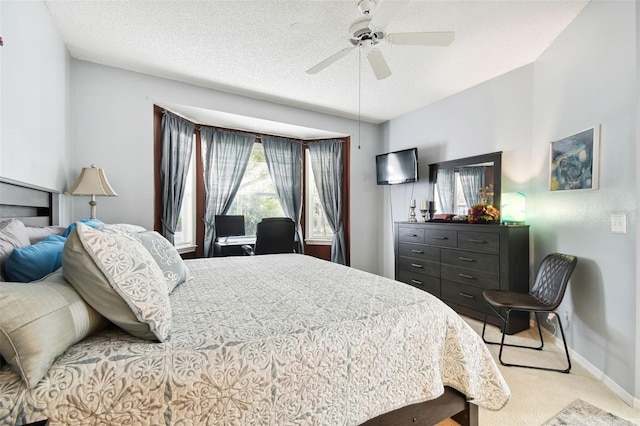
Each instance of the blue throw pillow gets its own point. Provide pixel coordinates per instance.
(33, 262)
(94, 223)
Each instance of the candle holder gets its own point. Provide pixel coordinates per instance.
(412, 214)
(424, 214)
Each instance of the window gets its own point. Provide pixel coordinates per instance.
(256, 197)
(185, 236)
(317, 229)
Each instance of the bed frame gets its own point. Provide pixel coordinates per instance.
(33, 205)
(37, 206)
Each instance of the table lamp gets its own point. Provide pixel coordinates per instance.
(92, 181)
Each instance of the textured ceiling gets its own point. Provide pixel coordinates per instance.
(257, 48)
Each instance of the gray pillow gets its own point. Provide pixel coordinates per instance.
(13, 234)
(39, 321)
(166, 256)
(39, 233)
(118, 277)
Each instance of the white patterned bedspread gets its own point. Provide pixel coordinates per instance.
(270, 340)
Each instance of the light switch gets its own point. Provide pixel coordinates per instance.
(619, 223)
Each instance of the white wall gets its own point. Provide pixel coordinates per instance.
(637, 393)
(587, 77)
(35, 143)
(494, 116)
(113, 128)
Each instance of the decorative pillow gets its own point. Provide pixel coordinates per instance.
(39, 233)
(116, 275)
(121, 228)
(33, 262)
(40, 321)
(94, 223)
(166, 256)
(13, 234)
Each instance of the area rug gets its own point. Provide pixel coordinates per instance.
(580, 413)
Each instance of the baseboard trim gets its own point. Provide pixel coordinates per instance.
(593, 370)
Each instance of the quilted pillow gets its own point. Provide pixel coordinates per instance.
(40, 321)
(116, 275)
(33, 262)
(121, 228)
(166, 256)
(12, 235)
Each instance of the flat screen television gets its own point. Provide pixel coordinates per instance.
(397, 167)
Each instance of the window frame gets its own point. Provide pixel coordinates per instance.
(308, 174)
(190, 245)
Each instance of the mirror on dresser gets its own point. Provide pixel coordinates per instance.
(456, 185)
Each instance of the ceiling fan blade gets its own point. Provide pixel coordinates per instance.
(378, 64)
(386, 11)
(444, 38)
(330, 60)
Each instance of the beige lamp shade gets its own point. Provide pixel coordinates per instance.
(92, 181)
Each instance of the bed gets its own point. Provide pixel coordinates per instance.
(275, 339)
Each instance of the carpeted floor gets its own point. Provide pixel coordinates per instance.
(581, 413)
(537, 396)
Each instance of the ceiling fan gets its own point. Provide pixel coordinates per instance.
(368, 30)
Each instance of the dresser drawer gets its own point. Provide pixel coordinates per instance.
(418, 251)
(471, 260)
(480, 241)
(441, 237)
(463, 295)
(411, 235)
(481, 279)
(417, 266)
(423, 282)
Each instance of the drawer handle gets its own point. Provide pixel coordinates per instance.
(417, 251)
(468, 296)
(440, 238)
(467, 259)
(469, 277)
(471, 240)
(416, 265)
(416, 282)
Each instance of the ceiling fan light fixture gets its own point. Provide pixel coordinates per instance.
(366, 6)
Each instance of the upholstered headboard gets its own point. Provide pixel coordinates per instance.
(33, 205)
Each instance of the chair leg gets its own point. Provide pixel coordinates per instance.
(505, 326)
(566, 349)
(503, 344)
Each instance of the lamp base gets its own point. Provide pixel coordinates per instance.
(93, 205)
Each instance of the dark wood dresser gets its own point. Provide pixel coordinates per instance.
(456, 262)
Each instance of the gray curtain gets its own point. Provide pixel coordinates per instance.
(225, 156)
(471, 178)
(284, 160)
(446, 189)
(326, 164)
(177, 146)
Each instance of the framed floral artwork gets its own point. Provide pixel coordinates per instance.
(573, 161)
